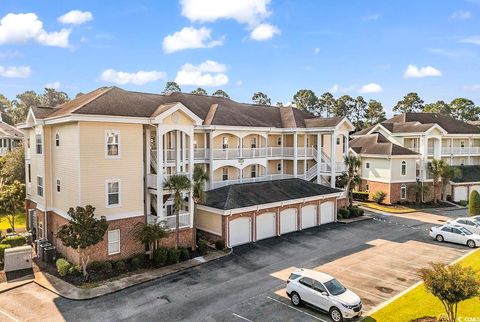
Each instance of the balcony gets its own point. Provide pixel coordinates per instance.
(252, 153)
(458, 150)
(218, 184)
(170, 221)
(152, 179)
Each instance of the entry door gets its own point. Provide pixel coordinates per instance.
(266, 225)
(240, 231)
(327, 212)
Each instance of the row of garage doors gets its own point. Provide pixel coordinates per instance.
(463, 193)
(240, 229)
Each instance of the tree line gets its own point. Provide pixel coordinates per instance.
(360, 112)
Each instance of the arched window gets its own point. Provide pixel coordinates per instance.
(404, 168)
(403, 192)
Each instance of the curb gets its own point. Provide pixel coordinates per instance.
(126, 287)
(354, 220)
(20, 284)
(382, 305)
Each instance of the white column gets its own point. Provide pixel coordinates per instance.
(305, 153)
(451, 151)
(177, 150)
(241, 146)
(319, 157)
(469, 150)
(191, 165)
(333, 160)
(159, 173)
(183, 151)
(295, 155)
(148, 137)
(210, 159)
(205, 145)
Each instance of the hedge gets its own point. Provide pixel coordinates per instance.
(14, 241)
(2, 251)
(360, 195)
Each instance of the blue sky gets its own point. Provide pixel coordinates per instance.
(361, 47)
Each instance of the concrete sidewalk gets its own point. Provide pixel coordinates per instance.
(72, 292)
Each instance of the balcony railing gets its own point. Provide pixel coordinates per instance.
(152, 179)
(201, 153)
(3, 151)
(170, 221)
(461, 150)
(223, 183)
(250, 153)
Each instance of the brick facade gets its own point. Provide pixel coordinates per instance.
(393, 190)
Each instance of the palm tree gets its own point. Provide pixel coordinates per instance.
(436, 169)
(448, 174)
(351, 177)
(420, 190)
(178, 184)
(200, 177)
(149, 235)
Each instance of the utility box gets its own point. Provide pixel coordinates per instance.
(18, 258)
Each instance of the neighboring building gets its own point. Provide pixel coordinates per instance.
(434, 136)
(10, 137)
(114, 149)
(386, 167)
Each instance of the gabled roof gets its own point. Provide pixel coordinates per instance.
(114, 101)
(258, 193)
(6, 130)
(376, 143)
(422, 122)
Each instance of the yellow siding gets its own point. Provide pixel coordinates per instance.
(233, 141)
(233, 173)
(96, 169)
(209, 221)
(178, 117)
(273, 166)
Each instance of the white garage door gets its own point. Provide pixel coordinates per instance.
(327, 213)
(288, 220)
(474, 188)
(309, 216)
(460, 193)
(239, 231)
(266, 225)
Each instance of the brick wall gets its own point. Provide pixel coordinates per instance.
(393, 190)
(185, 240)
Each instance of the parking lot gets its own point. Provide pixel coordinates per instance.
(376, 259)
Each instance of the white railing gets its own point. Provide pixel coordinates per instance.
(340, 167)
(170, 155)
(430, 150)
(200, 153)
(3, 151)
(225, 154)
(461, 150)
(414, 149)
(218, 184)
(251, 153)
(170, 221)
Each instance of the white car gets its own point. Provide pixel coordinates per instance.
(455, 234)
(323, 292)
(467, 222)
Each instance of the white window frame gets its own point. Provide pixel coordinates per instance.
(38, 143)
(253, 171)
(57, 140)
(367, 165)
(402, 164)
(253, 142)
(109, 242)
(107, 182)
(225, 142)
(58, 185)
(107, 133)
(40, 187)
(403, 191)
(225, 172)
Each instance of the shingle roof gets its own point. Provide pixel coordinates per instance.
(421, 122)
(118, 102)
(6, 130)
(41, 112)
(469, 173)
(376, 143)
(259, 193)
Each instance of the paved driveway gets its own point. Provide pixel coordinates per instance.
(377, 258)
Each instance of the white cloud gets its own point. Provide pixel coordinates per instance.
(10, 54)
(461, 15)
(413, 71)
(370, 88)
(138, 78)
(24, 27)
(15, 72)
(475, 40)
(472, 88)
(316, 50)
(250, 12)
(75, 17)
(372, 17)
(264, 31)
(54, 85)
(208, 73)
(189, 37)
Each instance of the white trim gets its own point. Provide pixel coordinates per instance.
(97, 118)
(387, 180)
(107, 181)
(464, 183)
(114, 132)
(112, 242)
(402, 187)
(178, 106)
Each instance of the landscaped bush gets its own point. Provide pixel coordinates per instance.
(137, 261)
(120, 266)
(184, 254)
(463, 203)
(160, 256)
(173, 256)
(15, 241)
(474, 203)
(104, 267)
(2, 251)
(63, 266)
(202, 247)
(220, 245)
(356, 212)
(379, 196)
(75, 270)
(343, 213)
(360, 195)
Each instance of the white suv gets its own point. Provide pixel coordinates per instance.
(323, 292)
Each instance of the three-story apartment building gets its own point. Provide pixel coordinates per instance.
(435, 136)
(10, 137)
(114, 149)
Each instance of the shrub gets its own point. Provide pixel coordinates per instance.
(360, 195)
(202, 247)
(15, 241)
(343, 213)
(120, 266)
(220, 245)
(137, 261)
(184, 254)
(379, 196)
(63, 266)
(356, 212)
(2, 251)
(474, 203)
(160, 256)
(75, 270)
(104, 267)
(463, 203)
(173, 256)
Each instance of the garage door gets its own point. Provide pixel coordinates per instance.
(474, 188)
(309, 216)
(460, 193)
(266, 224)
(327, 212)
(239, 231)
(288, 220)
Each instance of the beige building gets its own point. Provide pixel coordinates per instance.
(10, 137)
(114, 149)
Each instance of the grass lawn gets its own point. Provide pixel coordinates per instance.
(418, 303)
(20, 222)
(394, 209)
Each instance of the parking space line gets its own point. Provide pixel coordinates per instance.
(9, 316)
(296, 309)
(241, 317)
